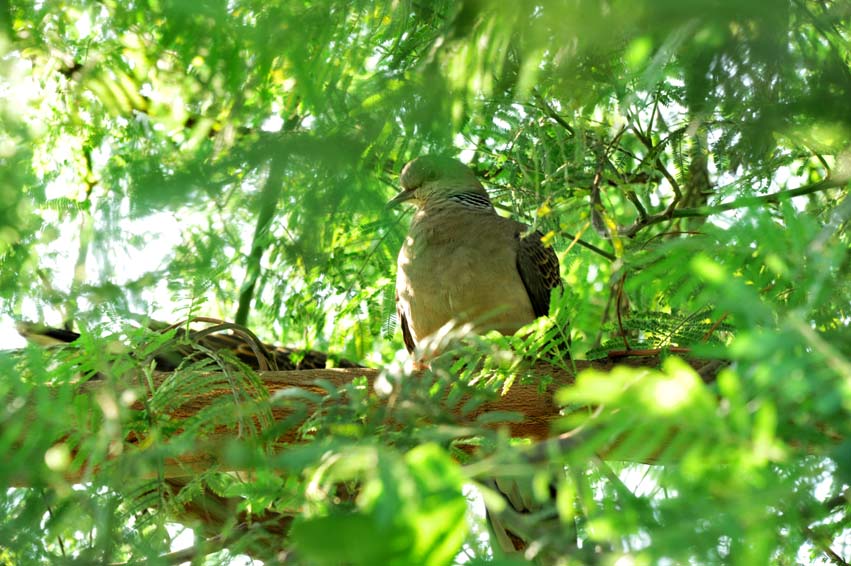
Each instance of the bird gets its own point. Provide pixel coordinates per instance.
(462, 263)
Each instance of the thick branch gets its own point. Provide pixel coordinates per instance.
(538, 407)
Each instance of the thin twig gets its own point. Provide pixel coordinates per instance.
(733, 205)
(657, 163)
(549, 111)
(713, 328)
(614, 354)
(261, 241)
(824, 546)
(186, 554)
(50, 514)
(577, 240)
(597, 220)
(840, 500)
(618, 303)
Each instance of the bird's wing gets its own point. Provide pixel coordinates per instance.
(410, 345)
(539, 270)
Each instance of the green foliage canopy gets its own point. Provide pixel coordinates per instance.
(689, 161)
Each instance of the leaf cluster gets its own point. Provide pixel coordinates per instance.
(688, 162)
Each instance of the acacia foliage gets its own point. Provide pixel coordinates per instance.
(248, 147)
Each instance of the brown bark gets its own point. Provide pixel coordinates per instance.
(210, 512)
(538, 407)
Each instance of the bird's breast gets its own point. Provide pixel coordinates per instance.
(464, 268)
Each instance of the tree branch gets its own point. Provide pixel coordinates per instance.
(550, 111)
(653, 152)
(744, 202)
(326, 388)
(268, 206)
(580, 242)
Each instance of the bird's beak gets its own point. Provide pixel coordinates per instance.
(404, 196)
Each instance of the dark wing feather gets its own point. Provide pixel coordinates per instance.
(406, 332)
(538, 267)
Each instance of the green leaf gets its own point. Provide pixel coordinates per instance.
(410, 511)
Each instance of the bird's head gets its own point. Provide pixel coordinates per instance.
(431, 179)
